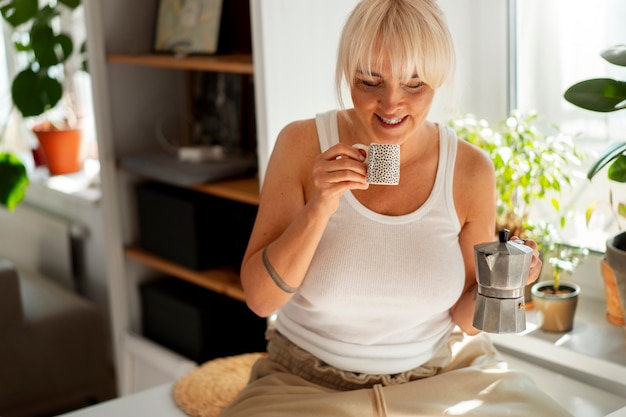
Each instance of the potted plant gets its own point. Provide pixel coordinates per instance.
(609, 95)
(42, 84)
(556, 300)
(531, 165)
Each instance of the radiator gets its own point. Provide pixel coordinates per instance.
(36, 239)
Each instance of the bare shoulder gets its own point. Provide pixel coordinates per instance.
(474, 183)
(298, 136)
(293, 154)
(472, 162)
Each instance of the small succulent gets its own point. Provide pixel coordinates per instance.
(564, 258)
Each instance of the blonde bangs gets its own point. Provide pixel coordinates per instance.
(411, 35)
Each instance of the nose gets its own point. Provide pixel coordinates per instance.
(390, 98)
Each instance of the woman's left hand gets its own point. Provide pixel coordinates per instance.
(535, 263)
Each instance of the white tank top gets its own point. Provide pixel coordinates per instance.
(377, 294)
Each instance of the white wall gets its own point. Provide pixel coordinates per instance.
(479, 31)
(295, 48)
(295, 55)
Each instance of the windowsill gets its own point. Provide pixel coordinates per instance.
(592, 334)
(594, 351)
(83, 184)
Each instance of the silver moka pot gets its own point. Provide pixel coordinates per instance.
(501, 272)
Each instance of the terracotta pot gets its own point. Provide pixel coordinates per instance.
(616, 259)
(614, 312)
(555, 310)
(61, 149)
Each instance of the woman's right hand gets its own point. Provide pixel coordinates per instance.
(338, 169)
(301, 191)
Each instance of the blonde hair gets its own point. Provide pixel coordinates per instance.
(412, 34)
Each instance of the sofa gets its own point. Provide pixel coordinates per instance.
(54, 353)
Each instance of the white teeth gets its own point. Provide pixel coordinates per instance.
(391, 121)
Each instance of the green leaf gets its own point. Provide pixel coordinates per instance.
(615, 55)
(609, 154)
(50, 49)
(45, 15)
(590, 209)
(72, 4)
(18, 12)
(617, 170)
(621, 209)
(598, 94)
(84, 65)
(13, 180)
(34, 93)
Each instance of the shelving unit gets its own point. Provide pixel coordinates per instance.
(236, 63)
(244, 190)
(221, 280)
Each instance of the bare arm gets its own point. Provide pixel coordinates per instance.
(475, 197)
(288, 224)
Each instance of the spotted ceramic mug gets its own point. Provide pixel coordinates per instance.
(383, 163)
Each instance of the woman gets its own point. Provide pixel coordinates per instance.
(371, 283)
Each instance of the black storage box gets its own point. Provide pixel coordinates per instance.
(191, 228)
(199, 323)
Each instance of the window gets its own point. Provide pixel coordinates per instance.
(558, 44)
(80, 87)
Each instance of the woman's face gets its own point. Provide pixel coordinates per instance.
(390, 109)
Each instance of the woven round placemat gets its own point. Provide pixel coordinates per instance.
(206, 390)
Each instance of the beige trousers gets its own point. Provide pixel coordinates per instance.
(466, 377)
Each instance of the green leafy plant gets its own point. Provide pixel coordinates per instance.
(605, 95)
(530, 165)
(564, 258)
(39, 86)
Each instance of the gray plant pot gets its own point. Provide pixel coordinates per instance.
(616, 258)
(555, 311)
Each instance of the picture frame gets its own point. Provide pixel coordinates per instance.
(187, 26)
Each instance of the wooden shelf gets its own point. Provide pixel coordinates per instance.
(237, 64)
(243, 190)
(220, 280)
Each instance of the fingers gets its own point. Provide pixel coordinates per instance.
(341, 164)
(341, 151)
(528, 242)
(535, 263)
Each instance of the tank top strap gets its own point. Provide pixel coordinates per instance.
(327, 129)
(447, 157)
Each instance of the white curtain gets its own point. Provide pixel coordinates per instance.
(559, 44)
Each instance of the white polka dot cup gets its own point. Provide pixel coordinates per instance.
(383, 163)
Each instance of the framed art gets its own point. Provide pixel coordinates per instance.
(187, 26)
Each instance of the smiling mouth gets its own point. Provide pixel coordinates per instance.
(391, 122)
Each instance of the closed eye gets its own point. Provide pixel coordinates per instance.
(415, 86)
(368, 83)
